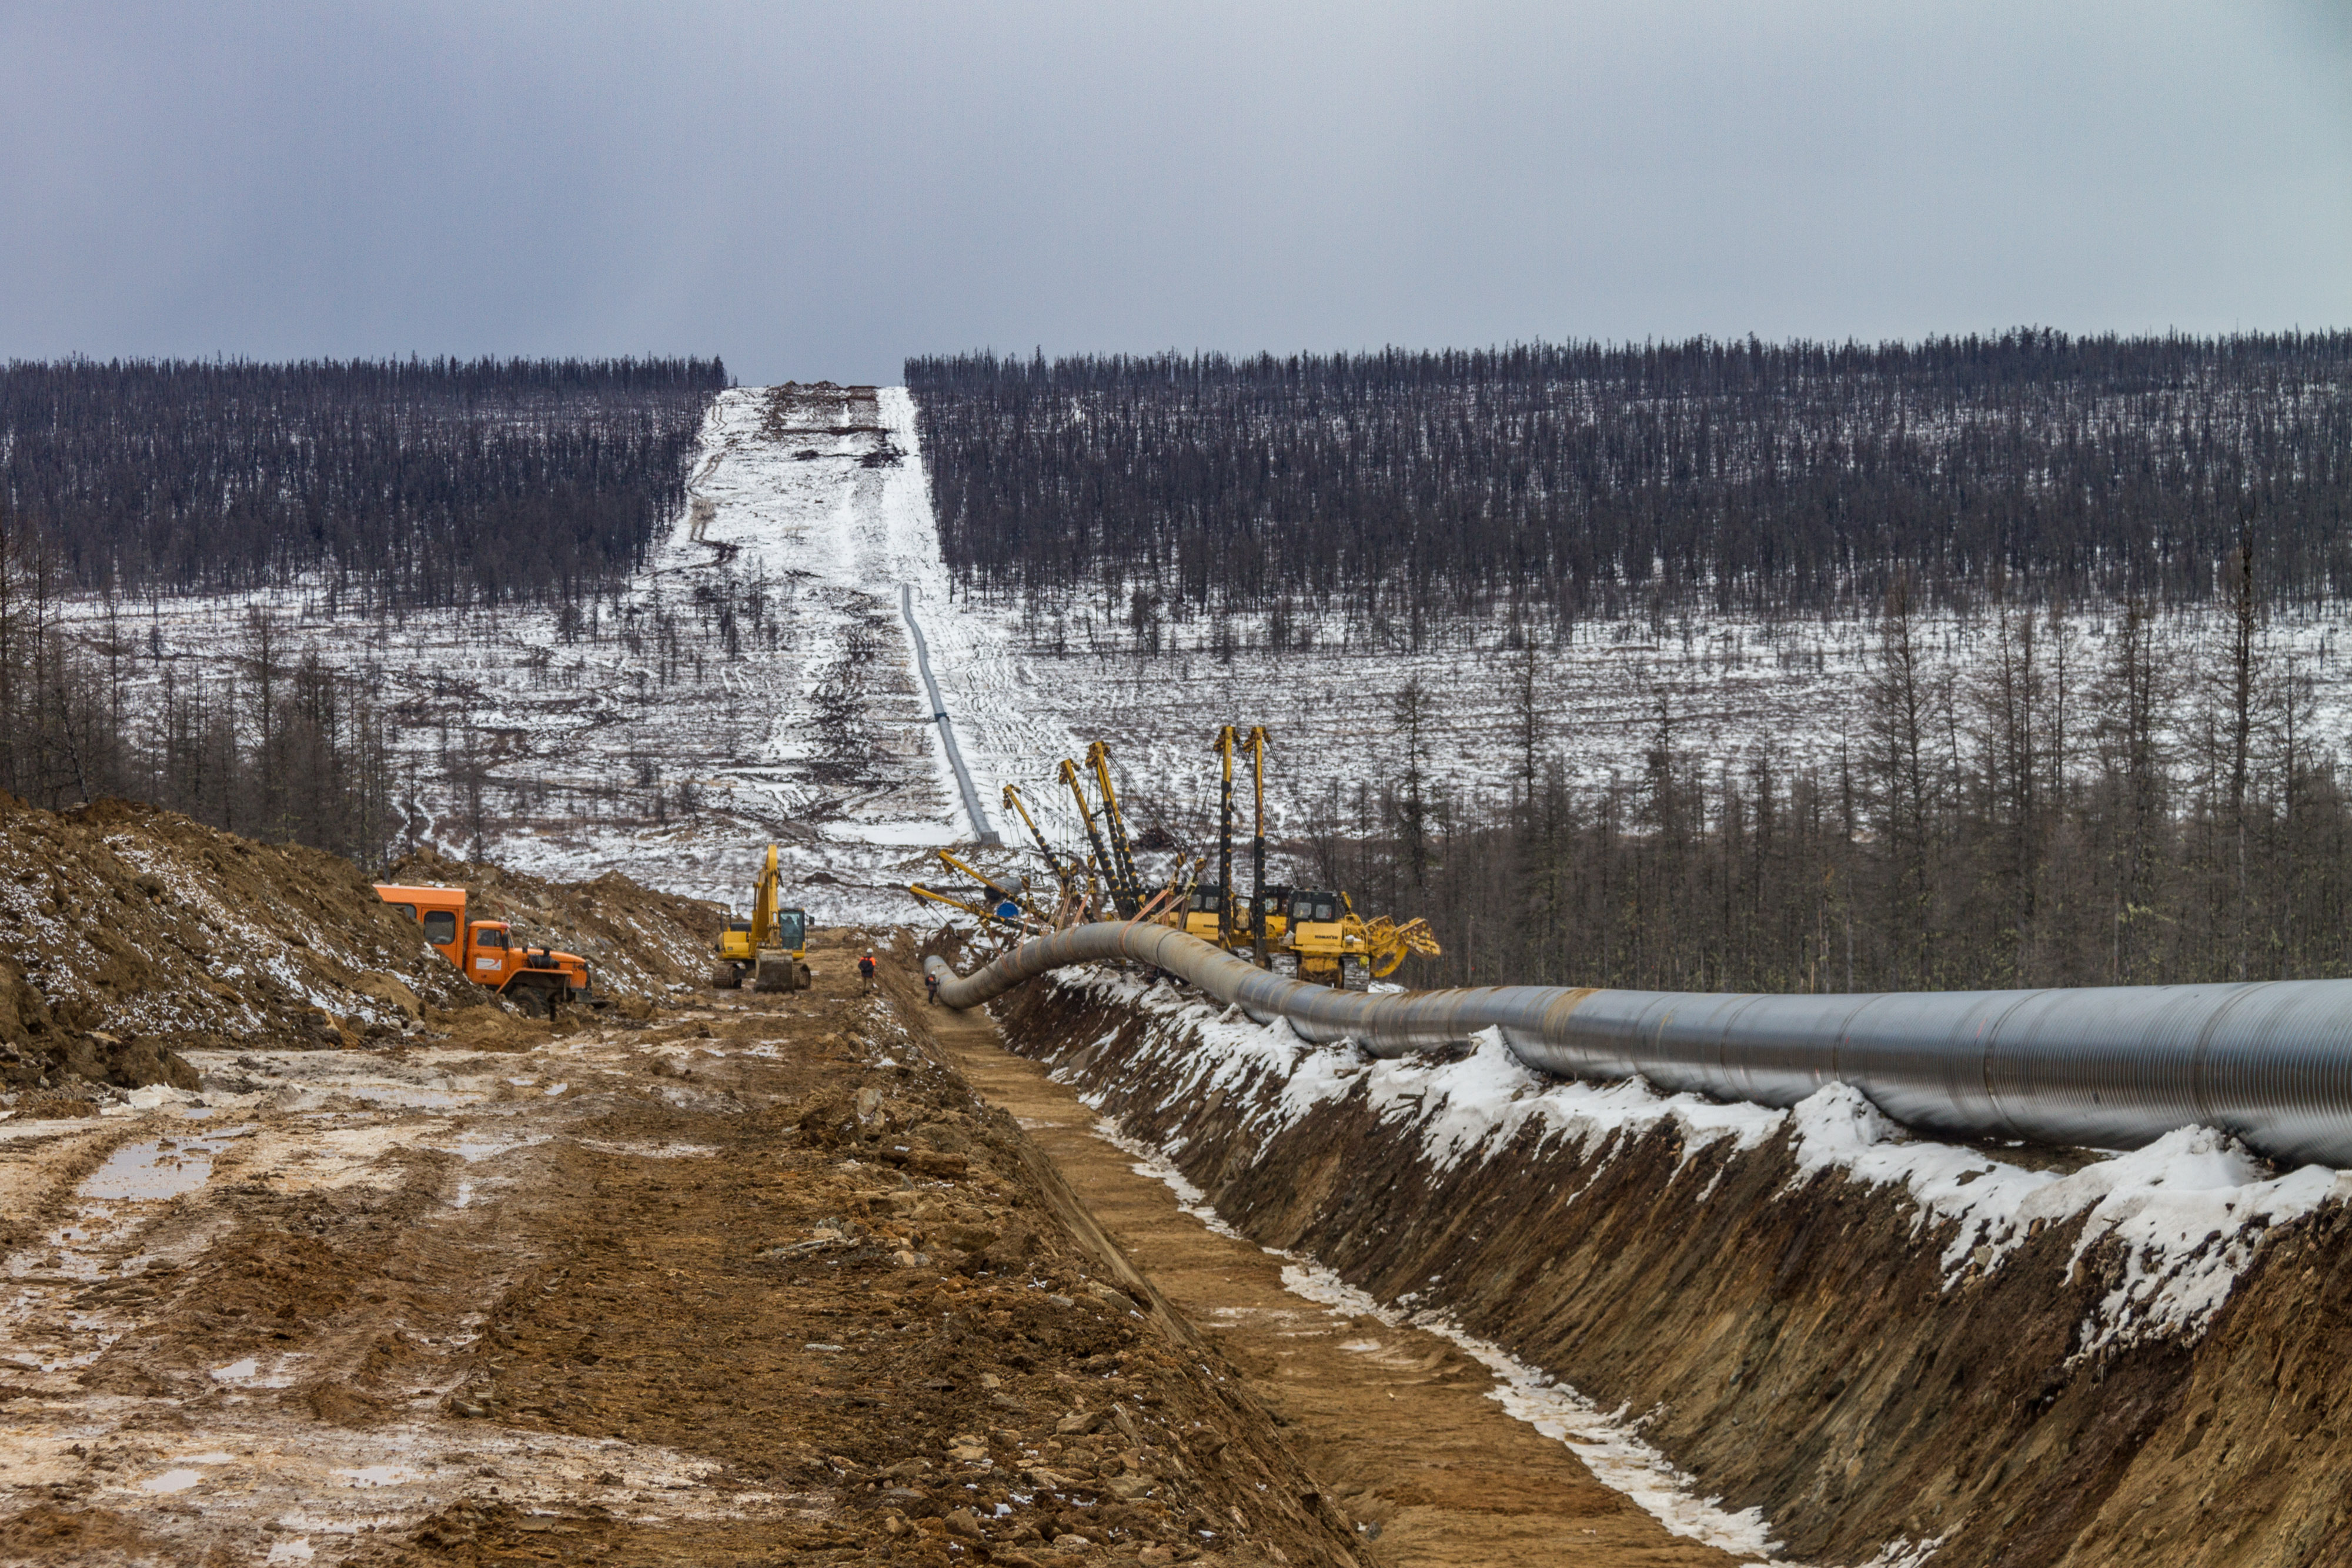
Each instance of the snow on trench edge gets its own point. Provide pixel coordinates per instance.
(2189, 1211)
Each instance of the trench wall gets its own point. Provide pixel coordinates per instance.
(2091, 1360)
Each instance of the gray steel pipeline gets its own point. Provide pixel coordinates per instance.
(2105, 1067)
(971, 808)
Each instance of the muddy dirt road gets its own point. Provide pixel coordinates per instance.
(749, 1280)
(1396, 1421)
(756, 1282)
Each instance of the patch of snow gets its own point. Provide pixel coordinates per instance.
(2188, 1211)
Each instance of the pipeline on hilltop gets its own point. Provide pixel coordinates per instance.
(2103, 1067)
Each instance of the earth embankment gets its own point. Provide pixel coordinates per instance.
(2007, 1356)
(131, 936)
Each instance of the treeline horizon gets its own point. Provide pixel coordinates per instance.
(2033, 817)
(403, 484)
(1584, 480)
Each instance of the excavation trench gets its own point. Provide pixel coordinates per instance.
(1398, 1423)
(1890, 1349)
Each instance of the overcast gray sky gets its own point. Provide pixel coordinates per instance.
(820, 190)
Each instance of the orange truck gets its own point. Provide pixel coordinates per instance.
(485, 953)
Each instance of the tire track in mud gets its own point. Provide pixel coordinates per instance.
(754, 1281)
(1397, 1421)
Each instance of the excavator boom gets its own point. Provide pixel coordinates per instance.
(1227, 741)
(1256, 744)
(1019, 808)
(996, 889)
(763, 903)
(951, 902)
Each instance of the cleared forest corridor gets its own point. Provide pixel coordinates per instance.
(1396, 1422)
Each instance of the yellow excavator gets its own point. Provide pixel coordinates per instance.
(772, 946)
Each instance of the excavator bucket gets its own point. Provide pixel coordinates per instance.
(780, 972)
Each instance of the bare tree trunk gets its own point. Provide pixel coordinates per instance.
(2242, 675)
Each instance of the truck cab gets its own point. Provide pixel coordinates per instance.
(485, 951)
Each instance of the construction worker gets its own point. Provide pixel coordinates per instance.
(931, 985)
(865, 975)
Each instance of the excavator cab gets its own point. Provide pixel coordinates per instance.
(1274, 909)
(1310, 910)
(792, 931)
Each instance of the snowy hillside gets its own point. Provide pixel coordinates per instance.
(753, 685)
(758, 682)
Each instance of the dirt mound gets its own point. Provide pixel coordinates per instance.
(1802, 1339)
(128, 935)
(643, 944)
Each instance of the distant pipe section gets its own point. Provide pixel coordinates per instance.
(980, 823)
(2104, 1067)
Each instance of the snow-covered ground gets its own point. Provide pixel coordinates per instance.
(755, 684)
(759, 683)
